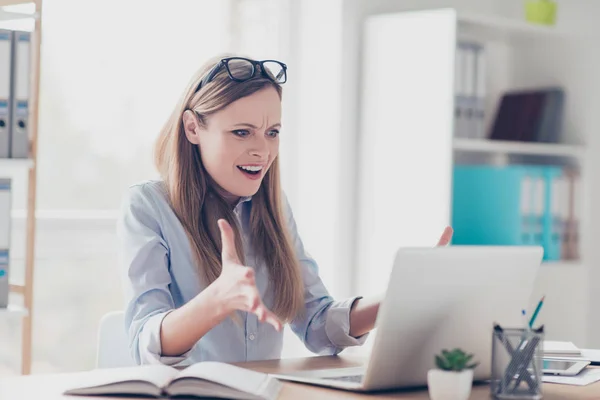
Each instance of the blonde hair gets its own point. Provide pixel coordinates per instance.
(198, 205)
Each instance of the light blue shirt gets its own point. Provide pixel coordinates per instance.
(160, 275)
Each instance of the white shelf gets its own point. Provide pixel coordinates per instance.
(14, 16)
(13, 163)
(563, 264)
(13, 310)
(525, 148)
(4, 3)
(499, 27)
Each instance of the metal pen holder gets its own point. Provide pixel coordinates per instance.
(517, 363)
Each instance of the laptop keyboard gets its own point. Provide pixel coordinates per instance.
(352, 378)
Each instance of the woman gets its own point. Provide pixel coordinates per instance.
(213, 259)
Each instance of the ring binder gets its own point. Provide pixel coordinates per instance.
(5, 95)
(19, 141)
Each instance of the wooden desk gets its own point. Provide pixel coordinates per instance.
(51, 386)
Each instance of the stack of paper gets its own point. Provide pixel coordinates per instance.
(560, 349)
(585, 377)
(567, 350)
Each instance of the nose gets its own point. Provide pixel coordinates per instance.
(259, 147)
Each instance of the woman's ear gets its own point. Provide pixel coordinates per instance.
(191, 127)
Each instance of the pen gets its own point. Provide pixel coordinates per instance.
(536, 312)
(526, 324)
(526, 330)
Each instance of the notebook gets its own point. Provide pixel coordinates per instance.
(204, 379)
(560, 349)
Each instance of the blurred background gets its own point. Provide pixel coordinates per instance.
(395, 119)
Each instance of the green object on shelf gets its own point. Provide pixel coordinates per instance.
(540, 11)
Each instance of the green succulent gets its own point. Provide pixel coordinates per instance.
(455, 360)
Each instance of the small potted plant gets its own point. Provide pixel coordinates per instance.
(453, 377)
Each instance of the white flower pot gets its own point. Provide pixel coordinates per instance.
(449, 385)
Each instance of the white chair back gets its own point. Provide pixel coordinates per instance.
(113, 348)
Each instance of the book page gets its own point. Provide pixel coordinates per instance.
(157, 375)
(202, 388)
(238, 378)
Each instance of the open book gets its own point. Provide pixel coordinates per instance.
(204, 379)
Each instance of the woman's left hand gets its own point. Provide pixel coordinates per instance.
(446, 236)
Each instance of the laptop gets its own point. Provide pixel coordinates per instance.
(439, 298)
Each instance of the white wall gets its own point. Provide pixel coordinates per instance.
(315, 83)
(396, 206)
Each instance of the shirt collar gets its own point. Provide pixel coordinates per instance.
(243, 200)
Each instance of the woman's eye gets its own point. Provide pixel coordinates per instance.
(273, 133)
(241, 132)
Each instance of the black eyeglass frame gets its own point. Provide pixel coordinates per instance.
(255, 65)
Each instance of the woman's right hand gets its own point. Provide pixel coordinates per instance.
(236, 287)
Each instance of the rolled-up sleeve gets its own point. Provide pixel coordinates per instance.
(324, 326)
(144, 259)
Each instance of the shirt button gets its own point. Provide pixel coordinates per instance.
(251, 336)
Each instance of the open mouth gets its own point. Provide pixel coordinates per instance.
(251, 171)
